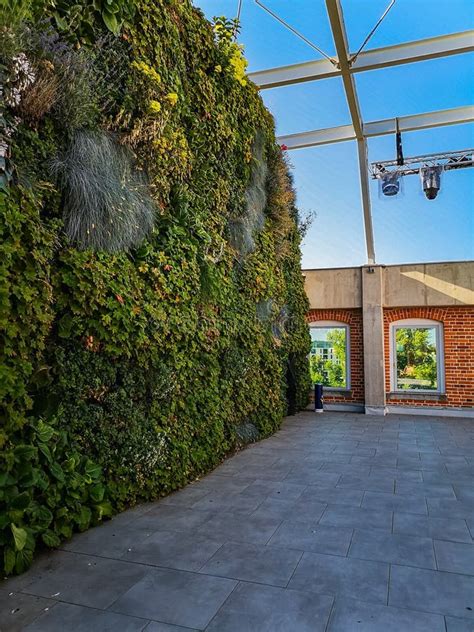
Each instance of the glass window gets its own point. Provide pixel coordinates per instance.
(416, 357)
(328, 356)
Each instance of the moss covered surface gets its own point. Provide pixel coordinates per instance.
(127, 371)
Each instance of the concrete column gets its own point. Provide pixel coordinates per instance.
(372, 318)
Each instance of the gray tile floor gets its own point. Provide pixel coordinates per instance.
(337, 523)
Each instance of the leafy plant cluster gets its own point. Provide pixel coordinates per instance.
(133, 363)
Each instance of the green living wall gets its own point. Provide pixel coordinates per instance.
(151, 301)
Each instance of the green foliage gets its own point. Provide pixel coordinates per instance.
(78, 21)
(331, 372)
(47, 489)
(126, 374)
(416, 358)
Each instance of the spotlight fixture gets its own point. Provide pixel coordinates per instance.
(429, 167)
(431, 180)
(390, 183)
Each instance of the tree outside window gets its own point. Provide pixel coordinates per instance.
(416, 358)
(328, 358)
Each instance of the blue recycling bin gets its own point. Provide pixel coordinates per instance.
(318, 398)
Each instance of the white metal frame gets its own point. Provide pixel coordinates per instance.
(336, 324)
(345, 67)
(417, 323)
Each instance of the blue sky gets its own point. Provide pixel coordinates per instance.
(408, 228)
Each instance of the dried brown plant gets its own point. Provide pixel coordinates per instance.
(41, 96)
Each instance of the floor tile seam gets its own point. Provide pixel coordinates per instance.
(294, 570)
(223, 604)
(239, 579)
(405, 609)
(302, 551)
(388, 583)
(433, 570)
(438, 538)
(104, 610)
(49, 608)
(58, 599)
(350, 543)
(143, 564)
(331, 612)
(423, 568)
(435, 612)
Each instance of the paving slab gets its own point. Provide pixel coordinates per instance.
(83, 579)
(357, 517)
(380, 501)
(257, 528)
(447, 508)
(331, 495)
(341, 576)
(257, 608)
(170, 549)
(432, 591)
(180, 598)
(456, 557)
(454, 529)
(368, 518)
(349, 615)
(312, 537)
(459, 625)
(17, 610)
(396, 549)
(108, 540)
(253, 563)
(66, 616)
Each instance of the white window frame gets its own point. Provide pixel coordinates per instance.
(415, 323)
(325, 324)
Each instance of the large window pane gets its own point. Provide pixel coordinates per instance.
(328, 359)
(416, 358)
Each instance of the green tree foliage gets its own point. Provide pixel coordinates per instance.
(331, 372)
(416, 358)
(126, 372)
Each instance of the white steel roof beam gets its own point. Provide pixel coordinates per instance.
(426, 120)
(336, 20)
(406, 53)
(379, 128)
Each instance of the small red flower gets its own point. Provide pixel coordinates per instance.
(167, 267)
(119, 298)
(283, 147)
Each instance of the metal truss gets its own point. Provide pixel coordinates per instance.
(346, 66)
(447, 160)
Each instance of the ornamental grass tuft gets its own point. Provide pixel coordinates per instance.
(106, 201)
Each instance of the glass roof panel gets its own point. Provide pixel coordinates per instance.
(336, 236)
(415, 88)
(267, 42)
(407, 20)
(409, 228)
(308, 106)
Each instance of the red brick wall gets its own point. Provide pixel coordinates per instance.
(458, 328)
(353, 318)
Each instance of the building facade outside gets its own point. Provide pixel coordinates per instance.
(396, 338)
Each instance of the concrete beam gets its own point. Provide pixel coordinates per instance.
(373, 333)
(406, 53)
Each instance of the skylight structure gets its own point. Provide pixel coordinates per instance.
(346, 65)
